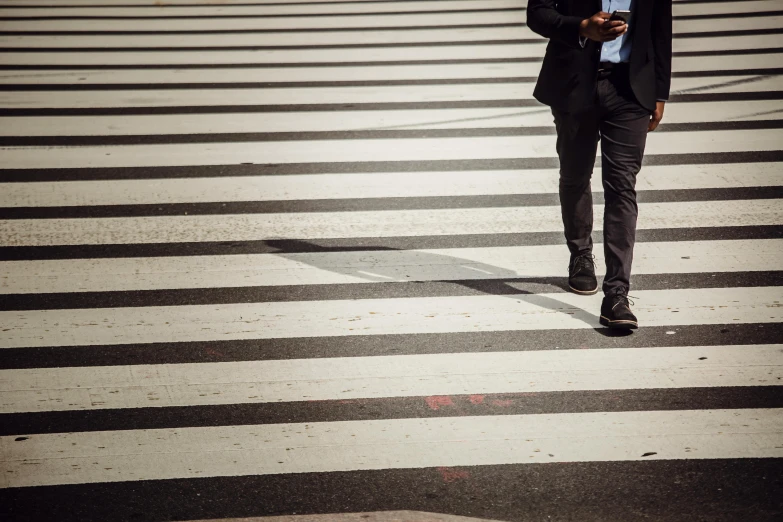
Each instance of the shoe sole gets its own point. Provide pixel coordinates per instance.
(619, 325)
(584, 292)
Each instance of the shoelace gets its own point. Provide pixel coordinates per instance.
(621, 297)
(583, 261)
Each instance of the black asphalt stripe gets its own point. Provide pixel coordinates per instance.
(372, 204)
(391, 106)
(106, 49)
(725, 52)
(265, 47)
(258, 16)
(704, 34)
(746, 14)
(243, 137)
(265, 31)
(253, 85)
(718, 490)
(233, 109)
(367, 243)
(726, 96)
(724, 34)
(511, 286)
(392, 344)
(729, 72)
(363, 167)
(660, 399)
(289, 65)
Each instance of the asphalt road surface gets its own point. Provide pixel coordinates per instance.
(264, 258)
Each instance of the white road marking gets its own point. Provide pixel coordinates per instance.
(367, 185)
(266, 10)
(351, 224)
(343, 318)
(165, 385)
(383, 120)
(326, 151)
(76, 458)
(448, 264)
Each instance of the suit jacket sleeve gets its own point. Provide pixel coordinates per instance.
(661, 33)
(544, 19)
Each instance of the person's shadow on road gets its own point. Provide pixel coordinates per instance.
(375, 264)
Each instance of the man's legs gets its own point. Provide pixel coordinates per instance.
(623, 137)
(577, 143)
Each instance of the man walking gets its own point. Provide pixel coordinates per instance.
(604, 79)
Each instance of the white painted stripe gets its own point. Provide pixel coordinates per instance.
(372, 54)
(451, 264)
(363, 185)
(73, 458)
(727, 84)
(702, 8)
(726, 42)
(265, 39)
(267, 96)
(387, 223)
(343, 318)
(293, 74)
(347, 37)
(344, 22)
(384, 120)
(249, 10)
(325, 151)
(248, 382)
(451, 52)
(23, 3)
(325, 95)
(348, 73)
(329, 22)
(337, 8)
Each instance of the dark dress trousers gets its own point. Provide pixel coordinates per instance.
(610, 103)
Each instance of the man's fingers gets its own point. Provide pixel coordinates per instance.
(655, 119)
(615, 29)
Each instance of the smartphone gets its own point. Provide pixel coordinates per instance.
(621, 15)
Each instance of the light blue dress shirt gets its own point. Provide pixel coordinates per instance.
(618, 50)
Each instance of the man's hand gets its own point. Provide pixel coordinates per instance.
(599, 28)
(656, 116)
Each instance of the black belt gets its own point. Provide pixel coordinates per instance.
(609, 67)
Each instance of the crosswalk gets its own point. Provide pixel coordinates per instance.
(263, 258)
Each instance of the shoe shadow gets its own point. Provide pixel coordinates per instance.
(390, 265)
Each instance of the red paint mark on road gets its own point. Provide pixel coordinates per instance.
(436, 401)
(452, 474)
(502, 403)
(476, 399)
(210, 351)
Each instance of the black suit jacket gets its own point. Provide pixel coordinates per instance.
(568, 75)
